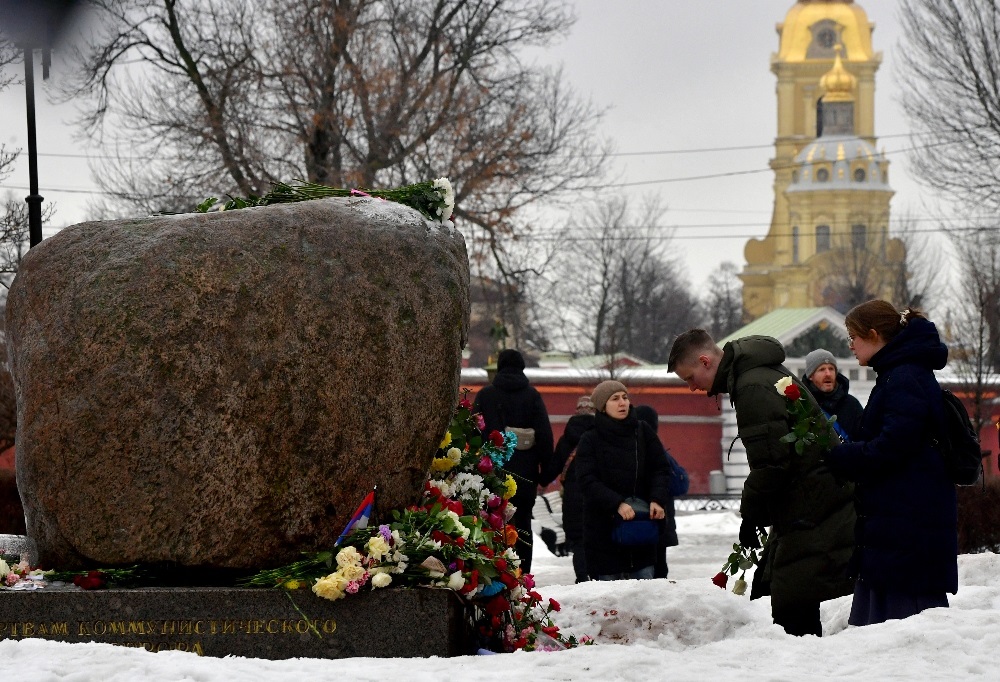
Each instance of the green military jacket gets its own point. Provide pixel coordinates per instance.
(810, 513)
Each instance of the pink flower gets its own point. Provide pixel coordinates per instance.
(494, 501)
(485, 465)
(352, 587)
(480, 422)
(12, 579)
(528, 580)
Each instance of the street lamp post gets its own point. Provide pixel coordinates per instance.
(34, 199)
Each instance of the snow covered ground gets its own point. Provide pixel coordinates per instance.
(683, 628)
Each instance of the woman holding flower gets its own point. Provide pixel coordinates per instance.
(907, 542)
(618, 460)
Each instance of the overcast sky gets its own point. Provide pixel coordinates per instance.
(675, 75)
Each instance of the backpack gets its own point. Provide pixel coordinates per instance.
(958, 442)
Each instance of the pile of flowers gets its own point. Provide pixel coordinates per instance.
(457, 537)
(740, 561)
(435, 199)
(16, 574)
(810, 425)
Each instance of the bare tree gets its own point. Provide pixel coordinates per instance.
(232, 95)
(723, 302)
(613, 288)
(974, 322)
(949, 65)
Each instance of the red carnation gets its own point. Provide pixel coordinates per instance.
(496, 438)
(792, 392)
(92, 581)
(551, 630)
(497, 605)
(465, 404)
(501, 564)
(721, 579)
(508, 580)
(554, 604)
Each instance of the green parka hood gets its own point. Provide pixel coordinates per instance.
(744, 354)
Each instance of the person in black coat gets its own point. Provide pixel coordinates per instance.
(906, 557)
(512, 402)
(572, 496)
(830, 388)
(619, 458)
(668, 529)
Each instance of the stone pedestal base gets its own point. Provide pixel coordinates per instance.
(257, 623)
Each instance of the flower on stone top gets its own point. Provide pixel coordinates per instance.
(12, 579)
(447, 194)
(456, 581)
(381, 580)
(330, 587)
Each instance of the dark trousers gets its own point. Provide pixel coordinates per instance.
(798, 619)
(579, 559)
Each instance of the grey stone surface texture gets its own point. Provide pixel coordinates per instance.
(221, 390)
(256, 623)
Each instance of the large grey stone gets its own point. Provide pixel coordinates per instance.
(221, 390)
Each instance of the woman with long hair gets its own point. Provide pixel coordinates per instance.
(905, 559)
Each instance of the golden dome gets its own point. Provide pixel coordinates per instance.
(838, 83)
(853, 31)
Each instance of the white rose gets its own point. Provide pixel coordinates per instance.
(782, 384)
(381, 579)
(456, 581)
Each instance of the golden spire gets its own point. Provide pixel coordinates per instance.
(838, 82)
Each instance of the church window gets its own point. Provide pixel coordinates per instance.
(822, 238)
(858, 235)
(822, 175)
(859, 175)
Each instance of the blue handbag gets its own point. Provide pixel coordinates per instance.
(679, 481)
(641, 530)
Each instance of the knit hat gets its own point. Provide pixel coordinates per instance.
(818, 357)
(604, 391)
(584, 405)
(510, 359)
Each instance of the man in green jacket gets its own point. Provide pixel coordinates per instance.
(811, 515)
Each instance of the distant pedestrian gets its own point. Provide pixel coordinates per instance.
(510, 401)
(830, 388)
(572, 501)
(668, 527)
(907, 543)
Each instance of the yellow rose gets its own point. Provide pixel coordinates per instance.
(331, 587)
(446, 441)
(352, 572)
(348, 557)
(381, 579)
(510, 487)
(377, 547)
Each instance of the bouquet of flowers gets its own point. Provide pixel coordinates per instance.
(458, 537)
(435, 199)
(810, 425)
(740, 561)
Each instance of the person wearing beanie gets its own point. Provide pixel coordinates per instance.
(830, 388)
(618, 459)
(572, 496)
(510, 401)
(810, 511)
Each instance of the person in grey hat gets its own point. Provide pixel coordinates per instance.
(830, 388)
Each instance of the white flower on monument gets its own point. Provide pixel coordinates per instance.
(381, 580)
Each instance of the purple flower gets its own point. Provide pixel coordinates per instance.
(385, 532)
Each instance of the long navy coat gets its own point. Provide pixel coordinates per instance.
(906, 529)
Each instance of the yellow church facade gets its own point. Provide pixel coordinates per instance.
(828, 241)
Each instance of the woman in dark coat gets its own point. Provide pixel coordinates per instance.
(572, 496)
(512, 401)
(619, 458)
(907, 543)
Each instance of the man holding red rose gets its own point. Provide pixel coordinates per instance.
(810, 514)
